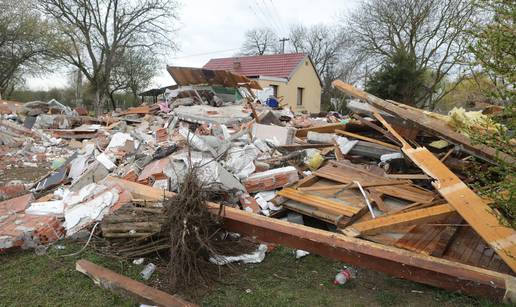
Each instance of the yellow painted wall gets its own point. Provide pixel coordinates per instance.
(305, 76)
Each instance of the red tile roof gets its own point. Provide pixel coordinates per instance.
(275, 65)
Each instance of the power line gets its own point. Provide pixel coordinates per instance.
(204, 53)
(266, 18)
(259, 18)
(275, 10)
(272, 19)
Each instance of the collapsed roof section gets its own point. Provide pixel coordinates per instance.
(197, 76)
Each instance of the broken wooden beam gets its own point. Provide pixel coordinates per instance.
(126, 286)
(436, 126)
(482, 218)
(393, 261)
(400, 219)
(329, 128)
(365, 138)
(324, 204)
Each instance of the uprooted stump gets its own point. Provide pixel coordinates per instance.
(193, 232)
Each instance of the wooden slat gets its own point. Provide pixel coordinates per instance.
(407, 176)
(483, 219)
(438, 127)
(126, 286)
(329, 128)
(447, 236)
(376, 127)
(407, 192)
(401, 219)
(324, 204)
(364, 138)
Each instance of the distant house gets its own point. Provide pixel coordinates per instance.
(292, 76)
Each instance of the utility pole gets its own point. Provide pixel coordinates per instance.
(283, 40)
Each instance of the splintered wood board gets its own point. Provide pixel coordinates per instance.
(344, 173)
(324, 204)
(425, 122)
(430, 238)
(469, 205)
(483, 219)
(400, 219)
(406, 191)
(367, 139)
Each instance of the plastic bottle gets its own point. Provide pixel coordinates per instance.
(344, 276)
(147, 271)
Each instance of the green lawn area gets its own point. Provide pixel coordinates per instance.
(27, 279)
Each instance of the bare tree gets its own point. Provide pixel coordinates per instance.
(97, 34)
(24, 41)
(133, 73)
(431, 31)
(260, 41)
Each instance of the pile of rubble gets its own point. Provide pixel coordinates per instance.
(358, 177)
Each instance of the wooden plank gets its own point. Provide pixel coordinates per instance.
(396, 220)
(364, 138)
(345, 173)
(329, 205)
(407, 192)
(303, 146)
(139, 190)
(407, 176)
(436, 126)
(394, 261)
(446, 237)
(329, 128)
(376, 127)
(126, 286)
(337, 220)
(483, 219)
(308, 180)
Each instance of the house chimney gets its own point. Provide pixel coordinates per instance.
(236, 64)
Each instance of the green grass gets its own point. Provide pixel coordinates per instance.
(27, 279)
(280, 280)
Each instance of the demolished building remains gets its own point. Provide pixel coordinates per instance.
(379, 201)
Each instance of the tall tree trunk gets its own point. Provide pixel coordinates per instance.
(99, 101)
(112, 99)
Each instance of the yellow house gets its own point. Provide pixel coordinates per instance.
(292, 77)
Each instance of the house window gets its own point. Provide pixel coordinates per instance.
(274, 90)
(300, 96)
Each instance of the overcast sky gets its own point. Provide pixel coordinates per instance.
(210, 29)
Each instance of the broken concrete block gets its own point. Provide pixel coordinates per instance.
(249, 204)
(52, 208)
(106, 161)
(26, 231)
(155, 170)
(278, 135)
(80, 215)
(271, 180)
(320, 138)
(196, 142)
(161, 135)
(240, 161)
(14, 205)
(11, 190)
(94, 173)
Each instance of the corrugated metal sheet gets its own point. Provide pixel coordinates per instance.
(198, 76)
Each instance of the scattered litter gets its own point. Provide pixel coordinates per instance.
(301, 253)
(147, 271)
(255, 257)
